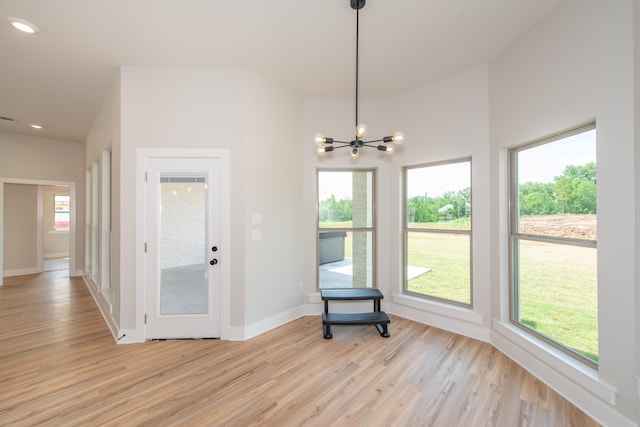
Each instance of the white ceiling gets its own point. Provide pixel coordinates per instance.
(60, 76)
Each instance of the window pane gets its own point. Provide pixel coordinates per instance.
(557, 188)
(346, 235)
(345, 199)
(61, 203)
(61, 220)
(61, 212)
(346, 259)
(182, 245)
(438, 265)
(439, 196)
(557, 293)
(438, 259)
(554, 277)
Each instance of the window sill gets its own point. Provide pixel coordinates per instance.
(58, 231)
(555, 359)
(443, 309)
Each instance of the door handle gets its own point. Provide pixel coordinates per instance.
(213, 261)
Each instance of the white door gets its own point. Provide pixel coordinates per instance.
(183, 255)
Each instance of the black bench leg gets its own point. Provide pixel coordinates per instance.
(327, 332)
(382, 329)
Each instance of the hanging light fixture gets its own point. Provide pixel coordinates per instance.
(386, 144)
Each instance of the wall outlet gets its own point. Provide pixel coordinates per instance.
(300, 286)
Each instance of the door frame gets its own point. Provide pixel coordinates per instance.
(142, 156)
(72, 219)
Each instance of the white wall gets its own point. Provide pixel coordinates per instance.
(447, 120)
(575, 65)
(179, 108)
(20, 229)
(104, 135)
(273, 192)
(260, 124)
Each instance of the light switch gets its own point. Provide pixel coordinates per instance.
(256, 235)
(256, 218)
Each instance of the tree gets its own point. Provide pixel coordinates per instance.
(333, 210)
(537, 199)
(573, 192)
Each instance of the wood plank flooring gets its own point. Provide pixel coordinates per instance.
(59, 366)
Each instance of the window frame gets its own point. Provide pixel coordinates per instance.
(373, 229)
(406, 230)
(514, 235)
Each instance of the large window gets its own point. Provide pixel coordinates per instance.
(553, 241)
(346, 232)
(437, 231)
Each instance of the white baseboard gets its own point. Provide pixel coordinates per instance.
(21, 271)
(104, 307)
(261, 326)
(128, 336)
(56, 255)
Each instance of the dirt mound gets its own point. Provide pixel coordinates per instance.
(575, 226)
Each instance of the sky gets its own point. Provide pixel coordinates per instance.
(543, 163)
(337, 183)
(538, 164)
(437, 180)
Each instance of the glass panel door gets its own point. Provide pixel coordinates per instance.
(182, 244)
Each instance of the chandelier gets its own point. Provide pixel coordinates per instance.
(386, 143)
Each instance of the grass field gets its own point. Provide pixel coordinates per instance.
(559, 294)
(448, 256)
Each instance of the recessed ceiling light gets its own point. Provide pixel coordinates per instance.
(35, 126)
(22, 25)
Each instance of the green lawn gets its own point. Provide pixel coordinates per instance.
(558, 294)
(447, 255)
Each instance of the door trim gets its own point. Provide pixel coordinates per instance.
(142, 155)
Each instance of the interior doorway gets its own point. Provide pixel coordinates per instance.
(35, 266)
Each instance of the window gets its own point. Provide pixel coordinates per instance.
(437, 231)
(553, 241)
(61, 212)
(346, 229)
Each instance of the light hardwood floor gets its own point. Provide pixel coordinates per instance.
(60, 366)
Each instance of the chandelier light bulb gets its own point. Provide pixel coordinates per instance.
(322, 149)
(355, 153)
(361, 130)
(398, 138)
(318, 138)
